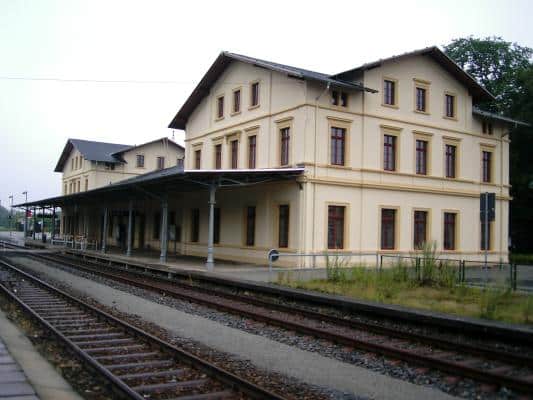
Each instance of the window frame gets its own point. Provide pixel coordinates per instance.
(256, 96)
(197, 152)
(425, 85)
(455, 231)
(391, 153)
(421, 164)
(138, 157)
(344, 228)
(284, 244)
(252, 151)
(250, 225)
(218, 156)
(336, 159)
(236, 101)
(394, 94)
(195, 225)
(285, 146)
(234, 153)
(490, 171)
(454, 105)
(160, 162)
(395, 236)
(220, 107)
(427, 227)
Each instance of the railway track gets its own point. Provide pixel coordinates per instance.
(137, 364)
(483, 364)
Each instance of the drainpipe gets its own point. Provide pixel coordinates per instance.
(130, 223)
(209, 264)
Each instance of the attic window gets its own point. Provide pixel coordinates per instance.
(339, 98)
(487, 127)
(220, 107)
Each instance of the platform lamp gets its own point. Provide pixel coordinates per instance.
(25, 193)
(11, 217)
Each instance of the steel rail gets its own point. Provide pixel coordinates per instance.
(457, 368)
(227, 378)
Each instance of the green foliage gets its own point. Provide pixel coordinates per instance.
(527, 309)
(336, 268)
(505, 70)
(521, 258)
(495, 64)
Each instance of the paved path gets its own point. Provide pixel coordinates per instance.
(24, 373)
(264, 353)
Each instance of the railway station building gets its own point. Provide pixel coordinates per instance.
(377, 159)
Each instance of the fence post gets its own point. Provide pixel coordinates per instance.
(417, 268)
(381, 261)
(463, 271)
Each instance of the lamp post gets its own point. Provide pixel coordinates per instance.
(11, 217)
(25, 193)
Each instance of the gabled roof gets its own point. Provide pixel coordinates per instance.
(477, 91)
(92, 151)
(497, 117)
(226, 58)
(163, 139)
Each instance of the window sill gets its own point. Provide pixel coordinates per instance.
(450, 118)
(390, 106)
(219, 119)
(421, 112)
(338, 166)
(234, 113)
(254, 107)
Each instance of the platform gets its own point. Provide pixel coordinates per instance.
(14, 384)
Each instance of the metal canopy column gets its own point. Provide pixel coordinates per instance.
(104, 231)
(53, 231)
(130, 227)
(209, 264)
(34, 221)
(164, 230)
(42, 223)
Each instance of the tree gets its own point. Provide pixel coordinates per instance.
(505, 70)
(495, 64)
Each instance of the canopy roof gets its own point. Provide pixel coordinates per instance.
(171, 180)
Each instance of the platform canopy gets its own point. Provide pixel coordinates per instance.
(171, 180)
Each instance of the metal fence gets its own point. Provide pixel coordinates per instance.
(471, 273)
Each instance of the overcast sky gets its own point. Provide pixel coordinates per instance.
(118, 71)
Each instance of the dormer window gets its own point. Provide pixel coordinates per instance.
(487, 127)
(160, 162)
(449, 101)
(140, 160)
(339, 98)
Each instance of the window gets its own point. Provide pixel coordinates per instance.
(234, 154)
(389, 92)
(450, 158)
(195, 225)
(254, 94)
(179, 163)
(156, 226)
(338, 139)
(487, 127)
(140, 161)
(216, 225)
(65, 189)
(486, 165)
(388, 229)
(86, 184)
(72, 164)
(420, 229)
(197, 158)
(421, 157)
(450, 105)
(250, 226)
(339, 98)
(421, 99)
(283, 226)
(160, 162)
(236, 101)
(285, 146)
(336, 227)
(449, 230)
(79, 184)
(218, 156)
(252, 149)
(389, 153)
(81, 162)
(488, 239)
(220, 107)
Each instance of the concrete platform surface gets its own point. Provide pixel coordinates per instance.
(24, 373)
(264, 353)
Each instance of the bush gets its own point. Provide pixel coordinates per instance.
(336, 268)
